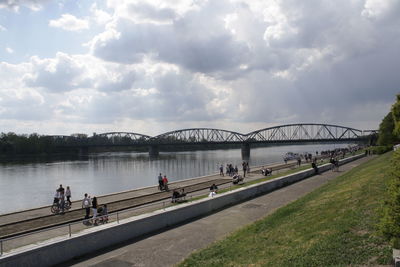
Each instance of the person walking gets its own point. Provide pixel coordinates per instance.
(160, 182)
(94, 209)
(68, 195)
(62, 202)
(221, 170)
(244, 166)
(86, 205)
(165, 182)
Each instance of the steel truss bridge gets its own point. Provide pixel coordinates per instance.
(278, 135)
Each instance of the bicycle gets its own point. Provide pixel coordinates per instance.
(56, 207)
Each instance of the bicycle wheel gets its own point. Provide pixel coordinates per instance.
(54, 208)
(67, 206)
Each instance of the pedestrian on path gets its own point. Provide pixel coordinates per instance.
(86, 205)
(244, 165)
(68, 195)
(221, 170)
(165, 183)
(94, 209)
(160, 182)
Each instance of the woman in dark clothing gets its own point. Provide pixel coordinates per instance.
(94, 209)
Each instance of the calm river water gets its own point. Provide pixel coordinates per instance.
(29, 185)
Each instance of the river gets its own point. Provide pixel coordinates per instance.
(29, 185)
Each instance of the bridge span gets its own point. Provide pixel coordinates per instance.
(302, 133)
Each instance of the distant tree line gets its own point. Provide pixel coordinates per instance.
(13, 144)
(35, 144)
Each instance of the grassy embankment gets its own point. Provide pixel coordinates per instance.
(281, 173)
(334, 225)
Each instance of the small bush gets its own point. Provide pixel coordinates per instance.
(378, 150)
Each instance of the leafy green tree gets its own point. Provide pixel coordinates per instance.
(390, 222)
(396, 116)
(386, 128)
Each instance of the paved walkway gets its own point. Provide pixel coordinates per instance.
(172, 246)
(77, 205)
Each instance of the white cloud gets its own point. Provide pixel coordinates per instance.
(376, 8)
(15, 5)
(69, 22)
(100, 16)
(9, 50)
(2, 29)
(60, 74)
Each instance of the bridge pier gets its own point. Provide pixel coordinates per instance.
(245, 151)
(153, 151)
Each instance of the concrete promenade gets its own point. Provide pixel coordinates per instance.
(173, 245)
(41, 217)
(119, 196)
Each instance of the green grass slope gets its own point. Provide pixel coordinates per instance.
(333, 226)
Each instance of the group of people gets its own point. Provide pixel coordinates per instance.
(59, 198)
(231, 171)
(162, 182)
(213, 190)
(178, 194)
(62, 198)
(100, 212)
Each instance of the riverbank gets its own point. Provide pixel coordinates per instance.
(334, 225)
(177, 243)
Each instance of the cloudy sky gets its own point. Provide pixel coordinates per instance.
(153, 66)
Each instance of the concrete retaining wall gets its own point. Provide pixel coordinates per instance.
(100, 237)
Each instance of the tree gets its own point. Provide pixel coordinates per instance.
(390, 221)
(386, 128)
(396, 116)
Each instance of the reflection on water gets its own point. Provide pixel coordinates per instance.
(26, 185)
